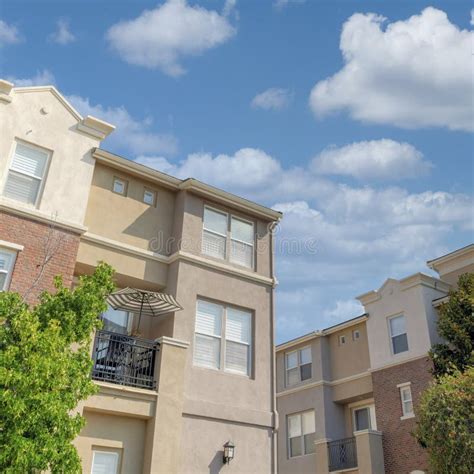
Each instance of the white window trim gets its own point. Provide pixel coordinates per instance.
(373, 420)
(300, 414)
(125, 186)
(354, 332)
(102, 451)
(391, 336)
(223, 341)
(298, 366)
(9, 270)
(41, 179)
(342, 339)
(228, 236)
(406, 415)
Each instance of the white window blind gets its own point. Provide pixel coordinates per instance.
(26, 173)
(237, 341)
(208, 334)
(7, 259)
(223, 338)
(104, 462)
(214, 233)
(301, 433)
(242, 242)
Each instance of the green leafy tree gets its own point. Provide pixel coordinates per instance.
(456, 326)
(446, 423)
(45, 370)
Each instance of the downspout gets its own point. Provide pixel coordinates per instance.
(273, 354)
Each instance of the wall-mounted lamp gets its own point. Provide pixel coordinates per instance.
(229, 448)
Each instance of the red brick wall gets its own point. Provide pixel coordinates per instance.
(39, 240)
(402, 453)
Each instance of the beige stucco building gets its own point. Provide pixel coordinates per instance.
(173, 388)
(347, 395)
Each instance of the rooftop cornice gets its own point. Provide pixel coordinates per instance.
(433, 264)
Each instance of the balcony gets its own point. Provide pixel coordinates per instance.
(342, 454)
(124, 360)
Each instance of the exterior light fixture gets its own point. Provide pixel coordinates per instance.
(229, 448)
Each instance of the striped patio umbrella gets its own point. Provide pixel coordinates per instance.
(143, 302)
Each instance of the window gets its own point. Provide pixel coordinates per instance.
(363, 418)
(398, 334)
(216, 228)
(406, 399)
(116, 320)
(26, 174)
(342, 340)
(104, 462)
(149, 197)
(7, 261)
(242, 242)
(298, 366)
(223, 338)
(355, 335)
(301, 433)
(120, 186)
(214, 233)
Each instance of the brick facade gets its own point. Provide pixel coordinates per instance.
(40, 242)
(402, 453)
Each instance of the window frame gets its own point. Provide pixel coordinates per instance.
(42, 180)
(125, 186)
(223, 340)
(302, 435)
(342, 339)
(9, 271)
(406, 387)
(354, 332)
(153, 193)
(372, 418)
(298, 366)
(228, 236)
(109, 452)
(392, 347)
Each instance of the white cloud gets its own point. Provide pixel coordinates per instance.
(342, 311)
(274, 98)
(131, 135)
(376, 159)
(41, 78)
(8, 34)
(413, 73)
(280, 4)
(162, 37)
(63, 34)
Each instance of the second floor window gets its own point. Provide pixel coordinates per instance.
(217, 227)
(398, 334)
(223, 338)
(7, 261)
(301, 433)
(298, 366)
(26, 174)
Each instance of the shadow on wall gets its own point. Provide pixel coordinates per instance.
(216, 464)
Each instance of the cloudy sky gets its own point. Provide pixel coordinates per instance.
(354, 118)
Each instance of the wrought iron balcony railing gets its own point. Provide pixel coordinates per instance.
(342, 454)
(124, 360)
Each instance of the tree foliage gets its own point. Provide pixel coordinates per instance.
(446, 423)
(45, 370)
(456, 326)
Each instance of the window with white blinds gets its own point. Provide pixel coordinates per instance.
(223, 338)
(301, 433)
(214, 233)
(216, 228)
(26, 174)
(105, 462)
(242, 242)
(7, 261)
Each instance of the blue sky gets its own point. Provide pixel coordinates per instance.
(354, 118)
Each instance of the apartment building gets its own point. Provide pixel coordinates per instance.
(209, 376)
(347, 395)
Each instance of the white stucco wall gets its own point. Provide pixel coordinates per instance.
(69, 173)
